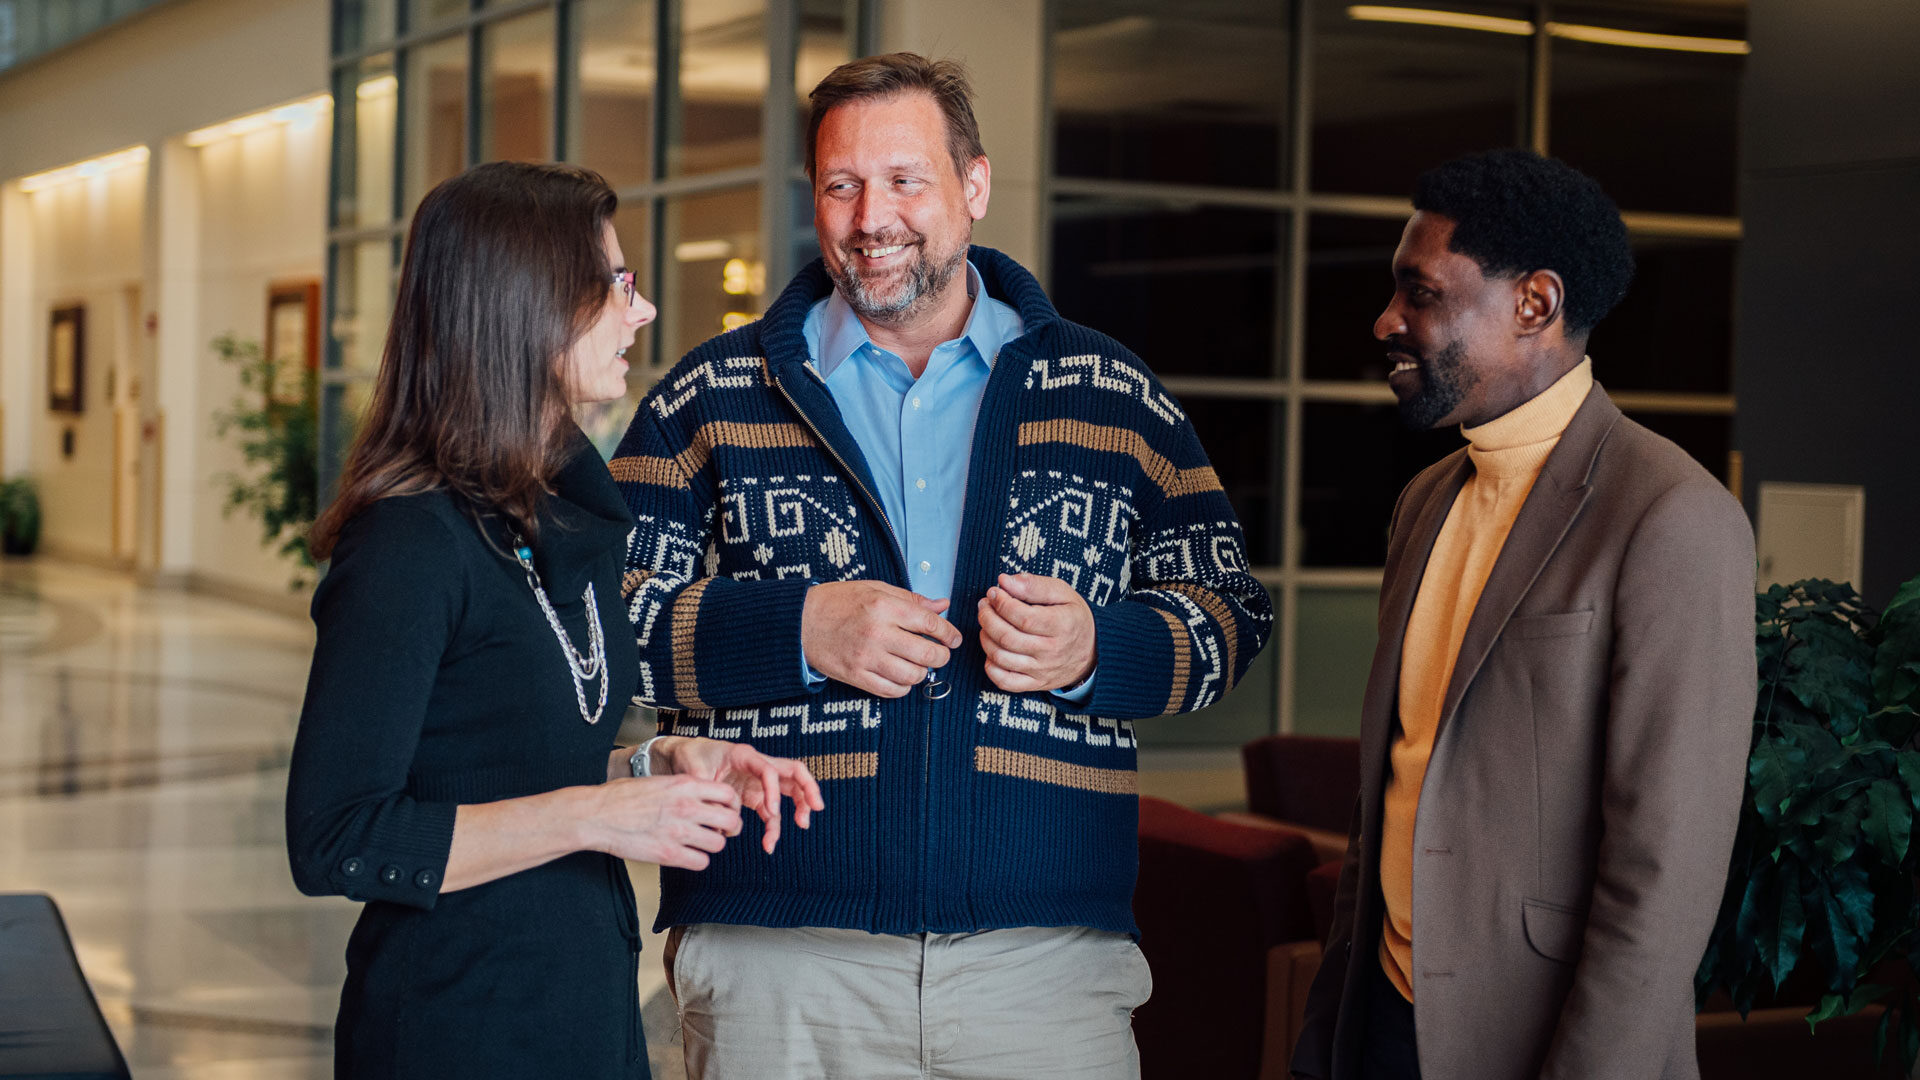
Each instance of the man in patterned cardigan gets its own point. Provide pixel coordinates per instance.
(914, 527)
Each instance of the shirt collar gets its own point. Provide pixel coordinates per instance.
(842, 332)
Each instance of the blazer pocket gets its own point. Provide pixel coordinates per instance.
(1559, 624)
(1555, 932)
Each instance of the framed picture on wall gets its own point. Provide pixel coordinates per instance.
(67, 360)
(293, 339)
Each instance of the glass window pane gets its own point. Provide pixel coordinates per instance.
(422, 14)
(722, 61)
(516, 110)
(612, 114)
(1194, 290)
(1393, 99)
(1707, 438)
(362, 285)
(715, 274)
(436, 134)
(1192, 91)
(342, 406)
(1245, 713)
(365, 97)
(1681, 155)
(1349, 282)
(1354, 460)
(1674, 328)
(360, 23)
(1332, 657)
(1244, 440)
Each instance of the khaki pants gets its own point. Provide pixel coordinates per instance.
(1024, 1004)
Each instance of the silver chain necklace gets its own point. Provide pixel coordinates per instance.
(584, 667)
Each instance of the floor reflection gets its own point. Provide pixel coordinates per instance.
(144, 736)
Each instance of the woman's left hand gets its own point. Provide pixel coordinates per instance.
(760, 780)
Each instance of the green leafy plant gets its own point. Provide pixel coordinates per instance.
(278, 440)
(19, 516)
(1823, 870)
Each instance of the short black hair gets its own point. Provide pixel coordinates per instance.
(1515, 212)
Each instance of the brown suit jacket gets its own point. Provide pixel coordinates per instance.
(1578, 811)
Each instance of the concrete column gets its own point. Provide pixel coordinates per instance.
(172, 404)
(1003, 44)
(19, 370)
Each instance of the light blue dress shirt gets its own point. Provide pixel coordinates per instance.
(916, 434)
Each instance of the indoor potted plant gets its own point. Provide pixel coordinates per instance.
(1823, 869)
(19, 516)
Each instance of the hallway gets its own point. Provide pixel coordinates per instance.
(144, 739)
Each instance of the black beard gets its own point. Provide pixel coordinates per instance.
(1444, 382)
(925, 281)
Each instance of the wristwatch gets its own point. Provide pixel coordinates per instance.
(642, 762)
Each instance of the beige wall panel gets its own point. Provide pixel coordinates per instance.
(1003, 44)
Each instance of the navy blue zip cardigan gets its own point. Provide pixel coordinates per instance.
(984, 809)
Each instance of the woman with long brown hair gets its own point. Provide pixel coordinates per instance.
(455, 766)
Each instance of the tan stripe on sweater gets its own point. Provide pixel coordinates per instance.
(1182, 659)
(1112, 440)
(673, 472)
(1003, 762)
(1216, 610)
(686, 615)
(842, 766)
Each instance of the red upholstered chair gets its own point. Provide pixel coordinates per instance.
(1227, 926)
(1305, 782)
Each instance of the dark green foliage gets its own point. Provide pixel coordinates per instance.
(278, 440)
(19, 516)
(1824, 863)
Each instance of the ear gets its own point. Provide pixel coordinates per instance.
(979, 184)
(1537, 301)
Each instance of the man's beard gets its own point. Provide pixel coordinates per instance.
(925, 280)
(1444, 382)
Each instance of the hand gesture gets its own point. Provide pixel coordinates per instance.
(670, 820)
(760, 780)
(878, 637)
(1037, 633)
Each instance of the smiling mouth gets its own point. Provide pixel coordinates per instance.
(881, 252)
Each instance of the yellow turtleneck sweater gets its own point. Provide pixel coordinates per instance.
(1507, 454)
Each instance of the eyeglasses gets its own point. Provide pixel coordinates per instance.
(625, 280)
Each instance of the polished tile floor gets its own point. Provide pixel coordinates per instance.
(144, 737)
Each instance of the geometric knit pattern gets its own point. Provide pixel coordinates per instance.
(984, 808)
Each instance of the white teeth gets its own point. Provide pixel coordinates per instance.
(1405, 365)
(880, 253)
(621, 353)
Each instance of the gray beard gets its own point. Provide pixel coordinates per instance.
(1444, 382)
(925, 281)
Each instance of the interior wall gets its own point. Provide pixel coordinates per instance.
(1826, 366)
(263, 211)
(87, 239)
(1003, 45)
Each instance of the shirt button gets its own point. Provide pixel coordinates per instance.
(353, 866)
(925, 566)
(423, 880)
(921, 483)
(916, 403)
(390, 874)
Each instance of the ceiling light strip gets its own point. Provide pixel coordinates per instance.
(1596, 35)
(85, 170)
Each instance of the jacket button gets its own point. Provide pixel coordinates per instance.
(423, 880)
(390, 874)
(353, 867)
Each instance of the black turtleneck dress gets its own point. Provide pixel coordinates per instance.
(437, 681)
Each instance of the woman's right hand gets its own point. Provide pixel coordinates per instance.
(670, 820)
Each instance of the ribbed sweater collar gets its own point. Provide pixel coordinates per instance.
(1518, 442)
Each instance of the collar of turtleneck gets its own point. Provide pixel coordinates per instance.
(1518, 442)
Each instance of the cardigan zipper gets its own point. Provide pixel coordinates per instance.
(893, 538)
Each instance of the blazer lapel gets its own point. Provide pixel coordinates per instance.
(1551, 506)
(1407, 556)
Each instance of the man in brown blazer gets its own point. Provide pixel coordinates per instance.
(1557, 721)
